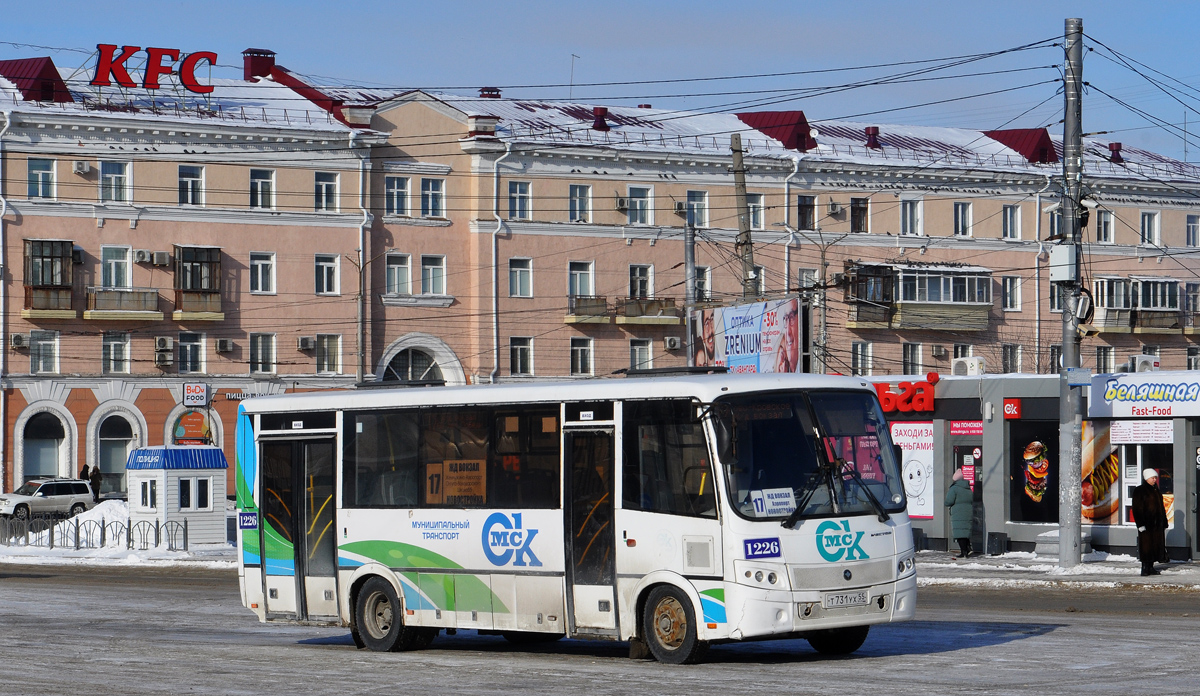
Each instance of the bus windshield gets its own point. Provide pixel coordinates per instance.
(793, 455)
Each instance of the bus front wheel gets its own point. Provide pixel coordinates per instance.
(378, 616)
(669, 627)
(838, 641)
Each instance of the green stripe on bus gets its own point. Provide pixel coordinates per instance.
(445, 591)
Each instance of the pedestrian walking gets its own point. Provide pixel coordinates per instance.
(95, 479)
(960, 500)
(1150, 516)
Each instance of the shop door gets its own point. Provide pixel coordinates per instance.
(590, 538)
(299, 554)
(969, 458)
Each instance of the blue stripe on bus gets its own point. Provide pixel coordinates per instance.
(348, 563)
(249, 558)
(714, 612)
(280, 566)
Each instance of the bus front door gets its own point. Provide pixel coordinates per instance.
(591, 598)
(298, 530)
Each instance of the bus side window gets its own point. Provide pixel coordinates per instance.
(666, 460)
(381, 468)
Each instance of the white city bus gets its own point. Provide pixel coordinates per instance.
(671, 512)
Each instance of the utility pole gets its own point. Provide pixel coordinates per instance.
(689, 287)
(1070, 426)
(744, 246)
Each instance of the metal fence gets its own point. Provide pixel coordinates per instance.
(56, 532)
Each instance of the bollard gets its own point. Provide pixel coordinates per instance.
(103, 529)
(185, 532)
(129, 534)
(157, 539)
(77, 533)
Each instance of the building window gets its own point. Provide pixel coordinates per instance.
(1104, 226)
(1149, 229)
(194, 494)
(580, 203)
(399, 274)
(520, 277)
(911, 358)
(413, 365)
(641, 282)
(1011, 287)
(329, 354)
(962, 219)
(191, 352)
(1193, 358)
(518, 200)
(1010, 357)
(754, 203)
(1111, 293)
(860, 218)
(48, 263)
(43, 352)
(806, 212)
(1193, 231)
(1191, 298)
(963, 350)
(433, 194)
(581, 356)
(1106, 359)
(703, 284)
(1010, 220)
(191, 185)
(640, 206)
(1155, 351)
(327, 274)
(262, 353)
(928, 286)
(580, 279)
(1056, 298)
(1055, 358)
(433, 275)
(395, 192)
(41, 178)
(114, 182)
(149, 495)
(262, 188)
(198, 268)
(697, 208)
(262, 272)
(114, 356)
(114, 267)
(1157, 294)
(520, 356)
(325, 193)
(807, 281)
(860, 359)
(639, 354)
(910, 218)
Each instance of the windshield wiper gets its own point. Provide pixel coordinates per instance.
(883, 515)
(824, 475)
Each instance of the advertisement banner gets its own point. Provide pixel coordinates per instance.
(1101, 488)
(1033, 472)
(915, 439)
(1145, 395)
(758, 337)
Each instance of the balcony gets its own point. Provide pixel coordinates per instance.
(1158, 321)
(643, 310)
(920, 316)
(122, 304)
(48, 303)
(1192, 323)
(198, 305)
(587, 309)
(1110, 320)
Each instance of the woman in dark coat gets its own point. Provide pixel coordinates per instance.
(1150, 516)
(961, 503)
(95, 479)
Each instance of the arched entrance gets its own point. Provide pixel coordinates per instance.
(412, 365)
(116, 436)
(419, 356)
(43, 436)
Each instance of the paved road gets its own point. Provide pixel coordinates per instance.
(147, 631)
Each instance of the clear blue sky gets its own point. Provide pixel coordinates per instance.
(470, 44)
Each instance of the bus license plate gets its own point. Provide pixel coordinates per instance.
(846, 599)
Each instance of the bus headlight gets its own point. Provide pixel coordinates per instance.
(905, 566)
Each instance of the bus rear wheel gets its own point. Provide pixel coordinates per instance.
(380, 620)
(838, 641)
(669, 627)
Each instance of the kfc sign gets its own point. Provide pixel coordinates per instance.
(1012, 409)
(913, 396)
(110, 66)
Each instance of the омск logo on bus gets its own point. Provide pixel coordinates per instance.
(509, 542)
(836, 541)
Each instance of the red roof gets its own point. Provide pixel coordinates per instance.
(36, 78)
(788, 127)
(1034, 144)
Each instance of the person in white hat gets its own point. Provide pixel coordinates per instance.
(1151, 519)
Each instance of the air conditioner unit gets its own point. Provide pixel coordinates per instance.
(835, 208)
(163, 359)
(966, 367)
(622, 203)
(161, 258)
(938, 351)
(224, 345)
(141, 256)
(680, 208)
(18, 340)
(1143, 363)
(163, 343)
(81, 166)
(672, 342)
(306, 343)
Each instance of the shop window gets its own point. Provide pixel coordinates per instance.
(43, 440)
(116, 438)
(194, 494)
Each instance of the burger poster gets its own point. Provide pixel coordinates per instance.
(1101, 494)
(1033, 471)
(916, 442)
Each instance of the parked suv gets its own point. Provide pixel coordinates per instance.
(47, 496)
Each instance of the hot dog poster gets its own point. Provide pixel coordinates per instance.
(1033, 471)
(1101, 476)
